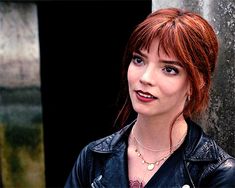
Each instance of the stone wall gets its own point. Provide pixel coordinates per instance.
(21, 130)
(218, 120)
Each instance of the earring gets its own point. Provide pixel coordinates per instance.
(188, 98)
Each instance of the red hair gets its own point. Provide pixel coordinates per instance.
(192, 41)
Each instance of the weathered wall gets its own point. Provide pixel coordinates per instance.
(21, 130)
(219, 119)
(19, 45)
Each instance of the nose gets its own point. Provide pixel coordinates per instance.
(147, 77)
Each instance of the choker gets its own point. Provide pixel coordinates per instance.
(158, 150)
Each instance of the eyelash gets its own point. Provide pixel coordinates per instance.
(135, 59)
(176, 71)
(166, 68)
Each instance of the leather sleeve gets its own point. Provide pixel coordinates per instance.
(79, 172)
(223, 175)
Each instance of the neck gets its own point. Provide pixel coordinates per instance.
(155, 133)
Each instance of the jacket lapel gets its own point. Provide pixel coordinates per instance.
(197, 148)
(115, 171)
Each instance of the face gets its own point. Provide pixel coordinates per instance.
(158, 85)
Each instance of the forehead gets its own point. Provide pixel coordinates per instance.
(157, 49)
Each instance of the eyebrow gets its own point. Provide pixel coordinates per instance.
(173, 62)
(141, 53)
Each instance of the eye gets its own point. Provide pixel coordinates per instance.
(170, 70)
(137, 60)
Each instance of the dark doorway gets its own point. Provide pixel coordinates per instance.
(81, 46)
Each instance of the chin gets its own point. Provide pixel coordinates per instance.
(142, 111)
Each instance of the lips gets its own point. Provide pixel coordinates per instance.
(145, 96)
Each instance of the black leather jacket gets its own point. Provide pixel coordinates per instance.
(103, 163)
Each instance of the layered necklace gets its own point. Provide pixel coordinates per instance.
(151, 165)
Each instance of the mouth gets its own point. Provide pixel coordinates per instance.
(145, 95)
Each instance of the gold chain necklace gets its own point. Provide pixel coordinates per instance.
(158, 150)
(151, 166)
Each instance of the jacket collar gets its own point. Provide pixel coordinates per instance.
(198, 146)
(113, 142)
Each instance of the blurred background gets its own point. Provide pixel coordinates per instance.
(60, 77)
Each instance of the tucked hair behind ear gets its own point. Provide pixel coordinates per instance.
(190, 38)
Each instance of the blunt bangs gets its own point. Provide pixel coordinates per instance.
(165, 32)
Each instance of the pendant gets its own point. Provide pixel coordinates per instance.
(151, 166)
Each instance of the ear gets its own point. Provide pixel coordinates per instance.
(189, 89)
(201, 85)
(188, 92)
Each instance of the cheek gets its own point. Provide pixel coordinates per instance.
(130, 75)
(174, 88)
(167, 90)
(130, 81)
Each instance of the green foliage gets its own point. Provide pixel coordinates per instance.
(27, 95)
(20, 115)
(23, 136)
(23, 156)
(37, 119)
(15, 163)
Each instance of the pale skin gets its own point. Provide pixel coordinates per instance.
(158, 88)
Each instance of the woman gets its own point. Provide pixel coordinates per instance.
(168, 61)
